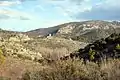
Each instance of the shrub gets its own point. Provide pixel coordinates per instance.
(24, 57)
(4, 78)
(76, 70)
(53, 54)
(61, 70)
(91, 53)
(118, 46)
(2, 58)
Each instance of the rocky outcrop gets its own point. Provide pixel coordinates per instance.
(89, 30)
(66, 29)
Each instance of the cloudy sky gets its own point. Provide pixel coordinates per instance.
(25, 15)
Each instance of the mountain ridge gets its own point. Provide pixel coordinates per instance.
(83, 29)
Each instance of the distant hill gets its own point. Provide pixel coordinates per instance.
(83, 31)
(86, 31)
(6, 33)
(43, 31)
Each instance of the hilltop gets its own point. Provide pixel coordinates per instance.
(86, 31)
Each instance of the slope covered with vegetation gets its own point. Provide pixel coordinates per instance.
(23, 57)
(72, 67)
(99, 50)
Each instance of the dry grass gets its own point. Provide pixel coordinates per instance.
(53, 54)
(49, 48)
(13, 68)
(76, 70)
(53, 47)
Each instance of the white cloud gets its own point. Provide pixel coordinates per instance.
(89, 9)
(14, 14)
(104, 10)
(39, 6)
(72, 7)
(9, 3)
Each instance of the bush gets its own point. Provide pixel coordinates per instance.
(24, 57)
(2, 58)
(76, 70)
(61, 70)
(4, 78)
(91, 53)
(118, 46)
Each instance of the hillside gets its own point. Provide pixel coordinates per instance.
(19, 45)
(99, 50)
(105, 52)
(43, 31)
(64, 39)
(35, 57)
(86, 31)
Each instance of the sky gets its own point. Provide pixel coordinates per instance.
(26, 15)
